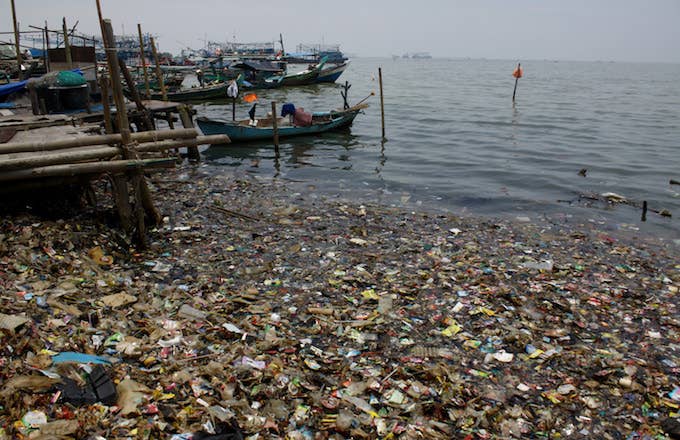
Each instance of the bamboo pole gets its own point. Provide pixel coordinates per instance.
(144, 136)
(113, 166)
(67, 46)
(135, 94)
(141, 190)
(142, 60)
(382, 102)
(159, 75)
(61, 157)
(119, 188)
(98, 152)
(16, 40)
(106, 105)
(275, 126)
(47, 46)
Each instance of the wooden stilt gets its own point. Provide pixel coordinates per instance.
(67, 45)
(142, 194)
(16, 40)
(187, 122)
(135, 94)
(142, 59)
(159, 75)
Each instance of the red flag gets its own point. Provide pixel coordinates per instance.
(250, 97)
(518, 72)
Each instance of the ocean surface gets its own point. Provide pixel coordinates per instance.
(456, 143)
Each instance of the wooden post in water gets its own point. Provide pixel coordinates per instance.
(517, 74)
(382, 102)
(644, 211)
(67, 46)
(142, 59)
(16, 40)
(187, 122)
(159, 75)
(275, 126)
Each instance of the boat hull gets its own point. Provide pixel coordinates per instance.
(332, 74)
(195, 94)
(244, 133)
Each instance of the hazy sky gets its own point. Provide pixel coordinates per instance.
(619, 30)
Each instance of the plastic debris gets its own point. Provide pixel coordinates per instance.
(310, 318)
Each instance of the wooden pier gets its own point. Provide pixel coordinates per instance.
(122, 141)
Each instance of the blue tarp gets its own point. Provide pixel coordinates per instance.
(10, 88)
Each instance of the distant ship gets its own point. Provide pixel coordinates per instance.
(417, 55)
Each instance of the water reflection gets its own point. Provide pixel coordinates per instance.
(297, 152)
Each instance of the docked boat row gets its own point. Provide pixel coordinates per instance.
(209, 79)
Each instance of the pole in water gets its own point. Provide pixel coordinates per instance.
(275, 126)
(517, 74)
(644, 211)
(233, 109)
(382, 102)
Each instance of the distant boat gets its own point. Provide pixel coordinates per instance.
(243, 131)
(421, 56)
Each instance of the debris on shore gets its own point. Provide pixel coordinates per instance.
(262, 313)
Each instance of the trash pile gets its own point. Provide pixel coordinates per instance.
(260, 312)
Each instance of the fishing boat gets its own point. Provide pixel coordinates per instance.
(245, 130)
(305, 77)
(193, 94)
(331, 73)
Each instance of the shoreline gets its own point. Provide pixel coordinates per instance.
(296, 314)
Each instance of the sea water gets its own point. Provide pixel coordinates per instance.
(579, 135)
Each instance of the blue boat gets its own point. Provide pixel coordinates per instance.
(332, 73)
(249, 130)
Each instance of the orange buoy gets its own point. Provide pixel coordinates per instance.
(517, 73)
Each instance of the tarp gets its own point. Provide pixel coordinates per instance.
(10, 88)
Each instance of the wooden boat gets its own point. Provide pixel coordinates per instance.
(331, 74)
(243, 130)
(306, 77)
(206, 93)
